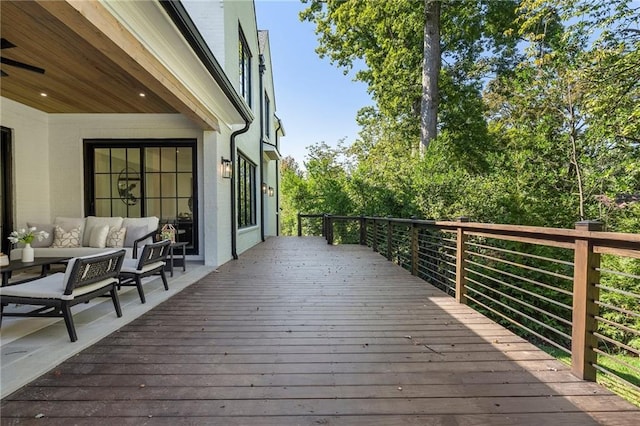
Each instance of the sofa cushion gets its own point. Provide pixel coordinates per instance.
(46, 227)
(68, 223)
(98, 238)
(150, 223)
(64, 238)
(134, 233)
(67, 252)
(93, 221)
(116, 236)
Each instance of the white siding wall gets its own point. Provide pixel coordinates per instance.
(209, 18)
(31, 161)
(271, 208)
(242, 13)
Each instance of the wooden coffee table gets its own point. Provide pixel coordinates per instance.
(17, 265)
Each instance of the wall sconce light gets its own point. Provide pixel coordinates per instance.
(271, 191)
(264, 188)
(226, 167)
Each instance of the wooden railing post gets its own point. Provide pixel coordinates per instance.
(585, 294)
(374, 244)
(415, 258)
(299, 225)
(389, 238)
(461, 259)
(363, 231)
(324, 225)
(329, 230)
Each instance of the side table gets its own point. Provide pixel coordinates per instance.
(172, 247)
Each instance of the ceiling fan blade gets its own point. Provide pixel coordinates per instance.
(6, 44)
(22, 65)
(3, 74)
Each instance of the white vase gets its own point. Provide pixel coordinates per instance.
(27, 253)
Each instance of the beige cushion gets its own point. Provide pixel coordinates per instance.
(138, 227)
(48, 228)
(63, 238)
(98, 237)
(70, 223)
(151, 222)
(66, 252)
(93, 221)
(115, 237)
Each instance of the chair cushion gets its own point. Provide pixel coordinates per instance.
(64, 238)
(94, 221)
(130, 266)
(51, 287)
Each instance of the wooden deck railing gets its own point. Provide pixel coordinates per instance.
(575, 290)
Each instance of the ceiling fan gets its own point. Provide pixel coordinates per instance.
(6, 44)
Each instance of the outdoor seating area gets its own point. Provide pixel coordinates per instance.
(83, 279)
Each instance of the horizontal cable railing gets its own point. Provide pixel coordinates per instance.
(574, 292)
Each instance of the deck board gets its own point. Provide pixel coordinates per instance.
(297, 332)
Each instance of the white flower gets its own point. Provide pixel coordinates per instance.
(26, 236)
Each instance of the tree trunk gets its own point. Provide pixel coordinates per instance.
(430, 73)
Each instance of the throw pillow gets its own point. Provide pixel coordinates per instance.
(46, 227)
(135, 233)
(115, 238)
(93, 221)
(71, 223)
(98, 238)
(66, 239)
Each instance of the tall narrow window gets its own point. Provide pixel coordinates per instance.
(140, 178)
(244, 65)
(267, 116)
(246, 192)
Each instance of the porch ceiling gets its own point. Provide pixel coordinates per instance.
(92, 64)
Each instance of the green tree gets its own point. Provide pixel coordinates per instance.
(397, 42)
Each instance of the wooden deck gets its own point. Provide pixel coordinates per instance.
(297, 332)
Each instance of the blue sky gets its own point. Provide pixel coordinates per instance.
(314, 99)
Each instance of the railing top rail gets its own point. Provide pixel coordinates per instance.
(311, 215)
(627, 240)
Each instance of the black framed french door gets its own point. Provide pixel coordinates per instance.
(144, 177)
(6, 188)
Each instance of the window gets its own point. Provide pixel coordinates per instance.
(140, 178)
(244, 66)
(246, 192)
(267, 116)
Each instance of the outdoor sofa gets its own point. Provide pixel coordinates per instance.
(74, 237)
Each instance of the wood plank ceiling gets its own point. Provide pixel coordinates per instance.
(78, 77)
